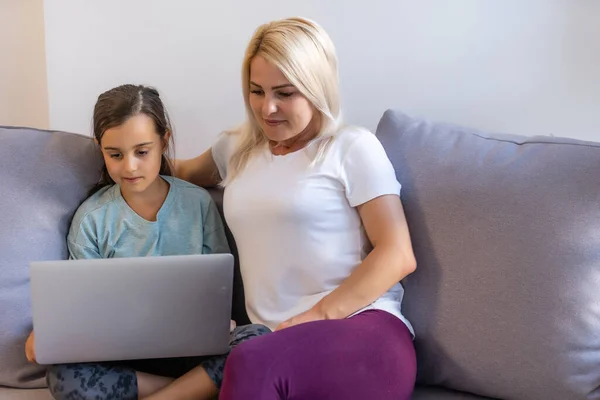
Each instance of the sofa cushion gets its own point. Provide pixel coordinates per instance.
(45, 176)
(25, 394)
(238, 307)
(505, 301)
(433, 393)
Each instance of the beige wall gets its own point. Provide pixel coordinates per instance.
(513, 66)
(23, 86)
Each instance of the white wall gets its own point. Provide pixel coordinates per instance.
(23, 90)
(523, 67)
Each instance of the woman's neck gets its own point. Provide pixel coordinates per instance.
(294, 143)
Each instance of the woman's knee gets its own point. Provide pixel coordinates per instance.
(240, 355)
(246, 356)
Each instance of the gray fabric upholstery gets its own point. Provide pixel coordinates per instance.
(431, 393)
(45, 176)
(238, 306)
(24, 394)
(506, 297)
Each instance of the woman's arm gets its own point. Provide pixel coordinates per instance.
(201, 171)
(389, 262)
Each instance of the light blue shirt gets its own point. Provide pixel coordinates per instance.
(188, 222)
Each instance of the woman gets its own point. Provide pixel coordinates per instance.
(323, 242)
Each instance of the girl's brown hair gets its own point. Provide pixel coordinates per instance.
(115, 106)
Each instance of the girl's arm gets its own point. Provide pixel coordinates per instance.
(215, 240)
(82, 252)
(30, 348)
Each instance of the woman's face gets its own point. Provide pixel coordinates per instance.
(279, 108)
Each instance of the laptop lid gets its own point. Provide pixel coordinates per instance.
(131, 308)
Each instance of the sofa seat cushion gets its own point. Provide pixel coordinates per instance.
(24, 394)
(433, 393)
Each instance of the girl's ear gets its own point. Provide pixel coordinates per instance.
(165, 141)
(97, 142)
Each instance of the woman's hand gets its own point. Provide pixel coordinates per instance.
(30, 348)
(314, 314)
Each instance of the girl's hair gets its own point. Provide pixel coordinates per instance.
(305, 55)
(115, 106)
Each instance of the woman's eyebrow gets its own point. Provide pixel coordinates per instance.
(274, 87)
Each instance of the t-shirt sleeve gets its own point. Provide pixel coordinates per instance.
(80, 241)
(367, 171)
(214, 240)
(221, 150)
(81, 252)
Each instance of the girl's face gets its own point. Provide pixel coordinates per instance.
(279, 108)
(132, 154)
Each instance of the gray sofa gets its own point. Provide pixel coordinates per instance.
(506, 298)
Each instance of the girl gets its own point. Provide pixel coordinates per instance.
(140, 209)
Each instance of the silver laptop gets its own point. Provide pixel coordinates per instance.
(131, 308)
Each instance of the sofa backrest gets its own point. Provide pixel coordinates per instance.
(505, 301)
(44, 176)
(238, 305)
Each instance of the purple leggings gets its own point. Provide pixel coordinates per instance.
(367, 356)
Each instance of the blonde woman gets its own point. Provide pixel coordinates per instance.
(323, 242)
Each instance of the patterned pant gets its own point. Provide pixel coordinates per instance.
(117, 381)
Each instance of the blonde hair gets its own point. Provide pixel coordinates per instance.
(305, 54)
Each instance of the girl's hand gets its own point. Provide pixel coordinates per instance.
(313, 314)
(30, 348)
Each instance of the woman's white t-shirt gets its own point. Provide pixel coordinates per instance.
(295, 224)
